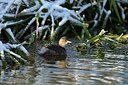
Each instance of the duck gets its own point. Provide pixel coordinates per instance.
(55, 52)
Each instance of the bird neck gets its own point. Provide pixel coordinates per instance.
(62, 44)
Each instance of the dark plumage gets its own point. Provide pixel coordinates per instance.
(55, 52)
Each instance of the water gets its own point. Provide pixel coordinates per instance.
(80, 70)
(85, 72)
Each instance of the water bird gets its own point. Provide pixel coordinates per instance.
(55, 52)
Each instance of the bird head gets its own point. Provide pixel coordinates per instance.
(63, 41)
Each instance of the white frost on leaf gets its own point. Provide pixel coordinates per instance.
(95, 23)
(9, 46)
(1, 27)
(54, 10)
(64, 19)
(19, 46)
(16, 55)
(22, 48)
(4, 49)
(31, 9)
(108, 14)
(122, 11)
(59, 2)
(85, 7)
(71, 1)
(1, 64)
(11, 34)
(26, 2)
(7, 8)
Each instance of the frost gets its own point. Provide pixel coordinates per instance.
(8, 23)
(21, 33)
(4, 48)
(6, 9)
(19, 46)
(71, 1)
(11, 34)
(102, 9)
(95, 23)
(16, 55)
(85, 7)
(1, 27)
(122, 11)
(1, 64)
(9, 15)
(64, 19)
(22, 48)
(108, 13)
(1, 8)
(26, 2)
(9, 46)
(54, 10)
(40, 29)
(31, 9)
(59, 2)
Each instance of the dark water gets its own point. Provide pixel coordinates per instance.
(85, 72)
(80, 70)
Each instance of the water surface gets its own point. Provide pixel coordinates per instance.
(80, 70)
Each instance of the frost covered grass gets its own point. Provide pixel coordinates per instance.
(9, 50)
(28, 20)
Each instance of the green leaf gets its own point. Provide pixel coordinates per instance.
(113, 3)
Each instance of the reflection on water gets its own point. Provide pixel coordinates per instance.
(80, 71)
(85, 71)
(23, 76)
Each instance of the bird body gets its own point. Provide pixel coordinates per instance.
(55, 52)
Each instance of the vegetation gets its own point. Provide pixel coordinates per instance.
(94, 21)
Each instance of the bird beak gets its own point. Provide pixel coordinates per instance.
(68, 42)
